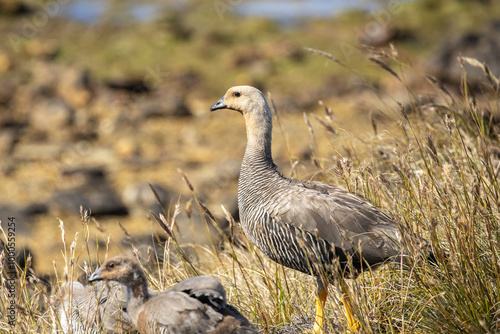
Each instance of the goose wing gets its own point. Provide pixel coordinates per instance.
(176, 312)
(339, 217)
(206, 289)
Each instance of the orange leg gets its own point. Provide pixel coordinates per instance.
(353, 324)
(320, 307)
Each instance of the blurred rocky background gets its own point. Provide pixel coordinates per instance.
(100, 100)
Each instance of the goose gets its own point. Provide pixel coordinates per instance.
(196, 305)
(309, 226)
(92, 309)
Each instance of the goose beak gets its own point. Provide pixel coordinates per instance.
(96, 276)
(218, 105)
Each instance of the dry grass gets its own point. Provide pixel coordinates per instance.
(438, 177)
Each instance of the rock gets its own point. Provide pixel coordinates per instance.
(44, 76)
(484, 46)
(130, 84)
(183, 79)
(7, 90)
(140, 199)
(171, 105)
(14, 7)
(84, 175)
(42, 151)
(5, 63)
(51, 116)
(23, 215)
(100, 199)
(126, 148)
(92, 191)
(52, 81)
(74, 87)
(46, 49)
(8, 138)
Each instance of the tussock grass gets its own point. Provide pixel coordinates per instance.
(440, 180)
(438, 177)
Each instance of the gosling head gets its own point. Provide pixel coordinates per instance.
(119, 268)
(244, 99)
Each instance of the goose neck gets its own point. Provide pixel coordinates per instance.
(138, 291)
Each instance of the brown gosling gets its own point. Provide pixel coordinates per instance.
(196, 305)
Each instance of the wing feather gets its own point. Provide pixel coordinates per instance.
(176, 312)
(338, 217)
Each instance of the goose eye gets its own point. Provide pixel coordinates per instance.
(236, 94)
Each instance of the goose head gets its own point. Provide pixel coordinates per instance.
(244, 99)
(251, 103)
(119, 268)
